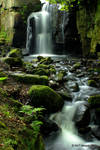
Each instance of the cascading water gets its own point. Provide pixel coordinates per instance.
(68, 137)
(40, 42)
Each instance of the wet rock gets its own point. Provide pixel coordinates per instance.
(84, 130)
(92, 83)
(96, 131)
(30, 79)
(46, 60)
(73, 86)
(60, 76)
(45, 96)
(65, 95)
(53, 84)
(75, 66)
(82, 115)
(48, 127)
(97, 114)
(15, 53)
(94, 100)
(13, 62)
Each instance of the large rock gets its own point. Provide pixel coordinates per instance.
(94, 100)
(82, 115)
(13, 62)
(15, 53)
(30, 79)
(45, 96)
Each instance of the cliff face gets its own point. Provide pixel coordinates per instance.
(13, 18)
(88, 25)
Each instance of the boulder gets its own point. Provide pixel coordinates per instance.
(13, 62)
(65, 94)
(30, 79)
(82, 115)
(15, 53)
(92, 83)
(48, 127)
(45, 60)
(60, 76)
(45, 96)
(94, 100)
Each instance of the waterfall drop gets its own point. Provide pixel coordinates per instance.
(40, 40)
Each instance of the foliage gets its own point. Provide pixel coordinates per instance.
(36, 113)
(3, 78)
(65, 4)
(27, 9)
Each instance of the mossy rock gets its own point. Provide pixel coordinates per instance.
(92, 83)
(46, 60)
(60, 75)
(13, 62)
(94, 100)
(15, 53)
(2, 74)
(41, 71)
(45, 96)
(30, 79)
(2, 125)
(77, 65)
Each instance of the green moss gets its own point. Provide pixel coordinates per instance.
(31, 79)
(43, 66)
(41, 71)
(15, 53)
(77, 65)
(92, 83)
(14, 132)
(2, 74)
(94, 100)
(3, 93)
(46, 61)
(2, 125)
(60, 75)
(44, 96)
(13, 62)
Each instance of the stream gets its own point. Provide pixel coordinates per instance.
(68, 138)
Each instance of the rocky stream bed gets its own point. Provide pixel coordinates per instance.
(67, 87)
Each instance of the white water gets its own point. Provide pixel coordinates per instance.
(42, 35)
(68, 137)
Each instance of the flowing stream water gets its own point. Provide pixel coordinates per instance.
(68, 137)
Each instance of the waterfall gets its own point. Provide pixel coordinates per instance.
(40, 40)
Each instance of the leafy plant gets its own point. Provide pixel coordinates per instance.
(3, 79)
(36, 113)
(65, 4)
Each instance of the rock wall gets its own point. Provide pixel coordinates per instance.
(13, 19)
(88, 25)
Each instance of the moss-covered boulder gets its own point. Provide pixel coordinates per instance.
(13, 62)
(15, 53)
(94, 100)
(45, 96)
(30, 79)
(60, 76)
(92, 83)
(45, 60)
